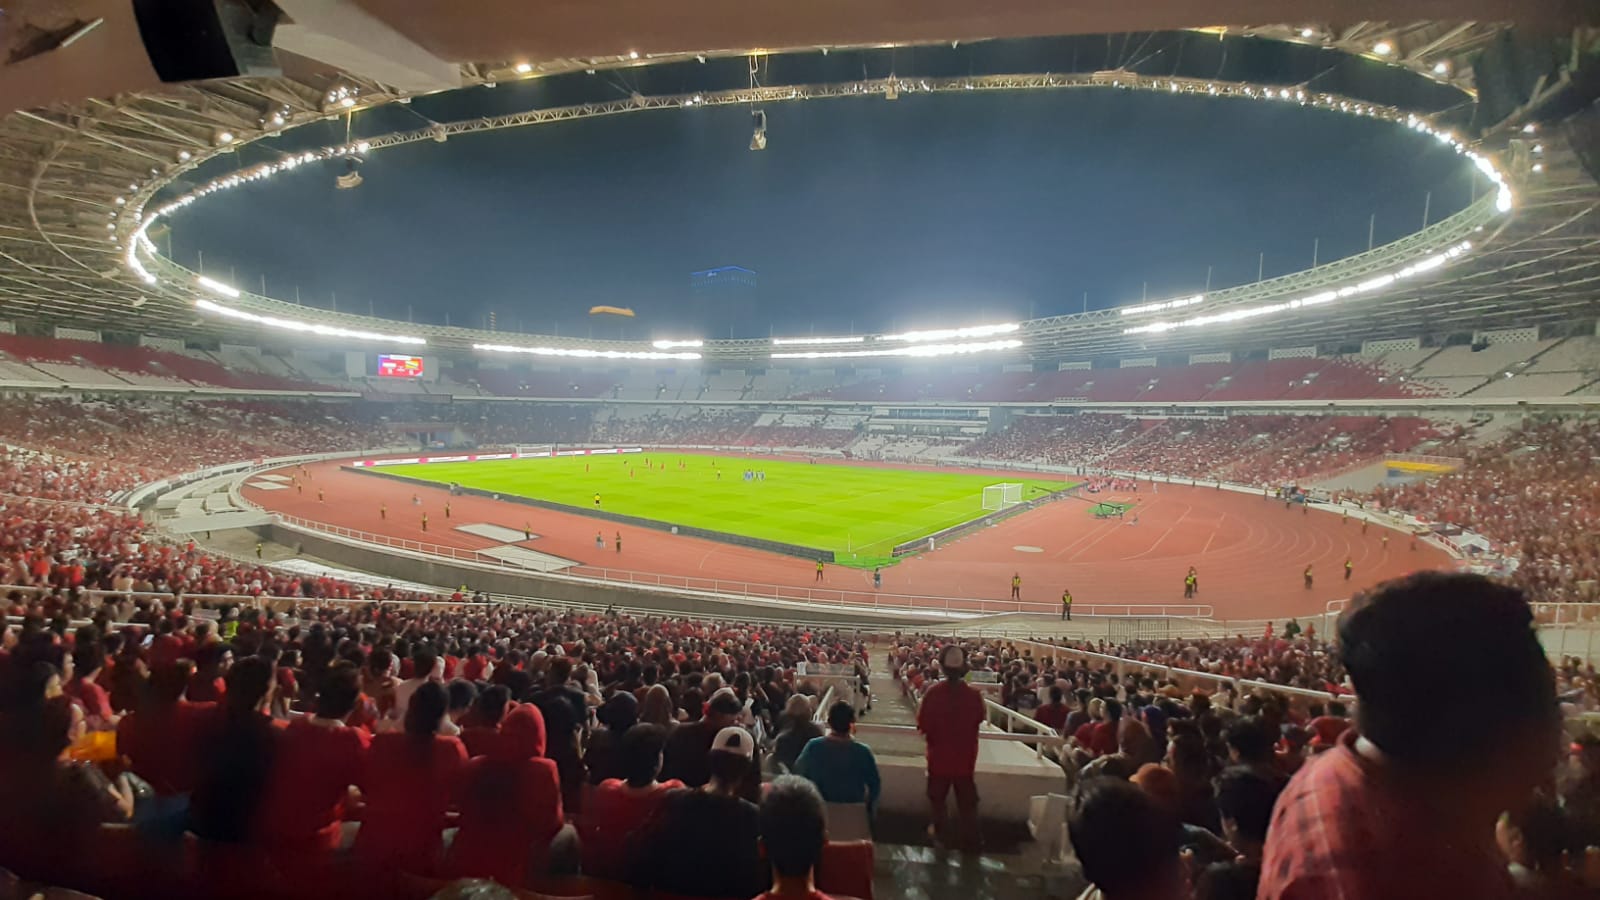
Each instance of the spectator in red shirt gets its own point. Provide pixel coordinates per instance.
(948, 718)
(408, 783)
(1407, 807)
(240, 748)
(794, 829)
(619, 807)
(704, 843)
(128, 674)
(480, 727)
(158, 739)
(319, 758)
(207, 684)
(1325, 729)
(87, 658)
(1054, 713)
(510, 801)
(1103, 735)
(1126, 842)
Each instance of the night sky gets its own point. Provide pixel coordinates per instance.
(862, 213)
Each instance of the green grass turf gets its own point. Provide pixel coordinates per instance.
(858, 512)
(1104, 510)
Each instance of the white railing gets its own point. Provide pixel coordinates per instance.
(749, 590)
(1183, 676)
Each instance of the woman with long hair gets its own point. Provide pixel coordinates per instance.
(410, 778)
(657, 708)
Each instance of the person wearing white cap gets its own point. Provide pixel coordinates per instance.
(689, 745)
(704, 843)
(948, 718)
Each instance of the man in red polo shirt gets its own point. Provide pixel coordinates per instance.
(1405, 805)
(948, 718)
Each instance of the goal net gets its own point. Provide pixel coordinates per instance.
(532, 450)
(1002, 496)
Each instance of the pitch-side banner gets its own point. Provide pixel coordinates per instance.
(485, 457)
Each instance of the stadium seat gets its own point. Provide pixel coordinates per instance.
(846, 869)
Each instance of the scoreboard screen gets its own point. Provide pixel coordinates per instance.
(392, 366)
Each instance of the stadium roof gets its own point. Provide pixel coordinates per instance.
(73, 174)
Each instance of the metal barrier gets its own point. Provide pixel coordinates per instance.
(1185, 678)
(747, 590)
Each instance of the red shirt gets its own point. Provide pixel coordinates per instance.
(1344, 828)
(481, 740)
(202, 689)
(312, 775)
(1103, 738)
(92, 697)
(948, 718)
(407, 789)
(1051, 714)
(613, 813)
(161, 745)
(165, 650)
(509, 808)
(1326, 729)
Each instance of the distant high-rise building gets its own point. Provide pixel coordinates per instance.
(726, 302)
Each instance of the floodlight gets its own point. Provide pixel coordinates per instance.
(758, 130)
(352, 175)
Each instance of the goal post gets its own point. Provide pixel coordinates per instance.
(1002, 496)
(531, 450)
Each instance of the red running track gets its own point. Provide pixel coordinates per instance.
(1250, 552)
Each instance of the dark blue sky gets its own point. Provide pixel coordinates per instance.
(924, 211)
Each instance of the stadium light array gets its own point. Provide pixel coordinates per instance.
(673, 345)
(918, 350)
(1504, 200)
(816, 341)
(949, 334)
(1322, 297)
(585, 352)
(305, 327)
(1163, 306)
(217, 287)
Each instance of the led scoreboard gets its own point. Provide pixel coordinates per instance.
(393, 366)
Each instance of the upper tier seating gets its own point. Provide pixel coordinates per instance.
(91, 362)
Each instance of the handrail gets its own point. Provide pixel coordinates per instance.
(819, 716)
(747, 590)
(1121, 665)
(1042, 740)
(534, 602)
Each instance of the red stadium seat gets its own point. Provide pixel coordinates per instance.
(846, 869)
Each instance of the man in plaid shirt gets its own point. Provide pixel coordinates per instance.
(1404, 806)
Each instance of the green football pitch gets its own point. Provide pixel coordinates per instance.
(858, 512)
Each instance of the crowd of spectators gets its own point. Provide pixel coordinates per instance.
(1258, 793)
(1081, 440)
(701, 428)
(544, 742)
(64, 547)
(1536, 493)
(91, 450)
(1261, 450)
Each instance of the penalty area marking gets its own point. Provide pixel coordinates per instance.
(1024, 548)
